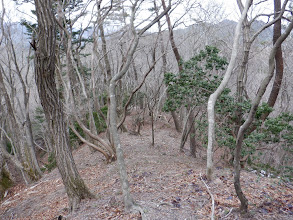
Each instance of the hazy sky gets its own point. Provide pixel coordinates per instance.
(15, 12)
(230, 7)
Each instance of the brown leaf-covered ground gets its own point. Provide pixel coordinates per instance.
(165, 182)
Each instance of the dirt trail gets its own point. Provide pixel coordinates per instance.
(164, 181)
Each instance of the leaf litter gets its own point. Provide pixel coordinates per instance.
(164, 181)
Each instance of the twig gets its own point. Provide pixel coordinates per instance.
(39, 146)
(228, 213)
(138, 208)
(212, 198)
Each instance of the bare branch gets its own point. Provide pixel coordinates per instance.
(212, 198)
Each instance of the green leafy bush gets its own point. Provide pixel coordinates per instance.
(198, 80)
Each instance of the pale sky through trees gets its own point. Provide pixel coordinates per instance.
(211, 11)
(16, 12)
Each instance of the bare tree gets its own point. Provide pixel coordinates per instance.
(24, 147)
(45, 79)
(279, 70)
(74, 94)
(178, 60)
(247, 44)
(128, 200)
(213, 97)
(255, 103)
(19, 159)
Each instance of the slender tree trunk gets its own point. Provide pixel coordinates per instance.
(52, 105)
(26, 145)
(21, 150)
(184, 134)
(251, 115)
(153, 129)
(244, 66)
(243, 72)
(128, 200)
(108, 74)
(28, 123)
(279, 70)
(178, 60)
(192, 141)
(213, 97)
(26, 95)
(171, 37)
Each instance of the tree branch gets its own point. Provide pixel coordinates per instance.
(212, 198)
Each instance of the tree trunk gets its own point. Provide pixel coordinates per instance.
(192, 141)
(247, 41)
(213, 97)
(188, 124)
(26, 146)
(52, 105)
(28, 124)
(243, 72)
(251, 115)
(171, 37)
(153, 129)
(279, 70)
(128, 200)
(108, 74)
(178, 60)
(21, 150)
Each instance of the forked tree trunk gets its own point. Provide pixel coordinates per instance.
(52, 105)
(251, 116)
(128, 200)
(247, 43)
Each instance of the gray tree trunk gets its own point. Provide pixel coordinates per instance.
(213, 97)
(128, 200)
(251, 116)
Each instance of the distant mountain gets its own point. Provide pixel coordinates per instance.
(265, 35)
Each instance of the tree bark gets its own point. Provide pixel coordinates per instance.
(251, 115)
(28, 123)
(279, 70)
(243, 68)
(171, 37)
(247, 41)
(192, 141)
(213, 97)
(128, 200)
(178, 60)
(45, 79)
(25, 146)
(21, 150)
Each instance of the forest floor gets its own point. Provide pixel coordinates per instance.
(168, 184)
